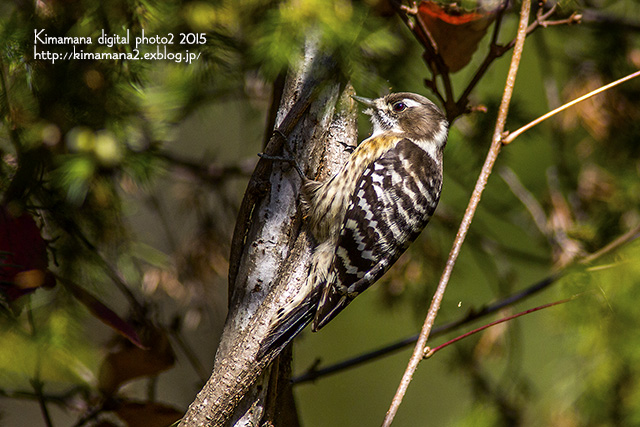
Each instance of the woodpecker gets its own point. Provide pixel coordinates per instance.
(365, 216)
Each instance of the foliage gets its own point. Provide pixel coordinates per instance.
(604, 343)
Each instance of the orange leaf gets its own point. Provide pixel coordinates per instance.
(29, 279)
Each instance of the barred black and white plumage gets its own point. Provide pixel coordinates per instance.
(365, 216)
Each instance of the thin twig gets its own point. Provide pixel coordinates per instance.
(191, 355)
(627, 22)
(441, 67)
(37, 387)
(315, 373)
(526, 198)
(418, 352)
(36, 382)
(472, 315)
(211, 173)
(495, 51)
(629, 236)
(433, 59)
(431, 352)
(57, 399)
(74, 229)
(508, 139)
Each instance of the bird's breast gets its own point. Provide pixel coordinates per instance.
(331, 199)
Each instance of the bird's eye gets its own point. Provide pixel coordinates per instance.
(398, 107)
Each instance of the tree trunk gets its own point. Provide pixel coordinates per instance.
(271, 248)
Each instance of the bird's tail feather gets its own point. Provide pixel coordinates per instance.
(282, 333)
(291, 321)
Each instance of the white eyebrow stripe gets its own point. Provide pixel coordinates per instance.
(411, 103)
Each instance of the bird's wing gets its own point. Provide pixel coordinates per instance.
(393, 201)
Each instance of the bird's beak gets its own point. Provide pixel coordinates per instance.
(365, 101)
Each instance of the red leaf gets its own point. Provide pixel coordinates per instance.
(456, 32)
(23, 254)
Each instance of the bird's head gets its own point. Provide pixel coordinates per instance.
(409, 114)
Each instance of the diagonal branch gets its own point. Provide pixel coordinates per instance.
(430, 352)
(473, 314)
(494, 150)
(513, 135)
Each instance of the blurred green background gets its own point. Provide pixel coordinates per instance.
(132, 173)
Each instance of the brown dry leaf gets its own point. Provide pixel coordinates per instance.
(456, 32)
(129, 362)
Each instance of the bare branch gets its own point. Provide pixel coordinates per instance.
(430, 352)
(496, 50)
(209, 173)
(418, 353)
(474, 314)
(629, 236)
(526, 198)
(37, 387)
(511, 136)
